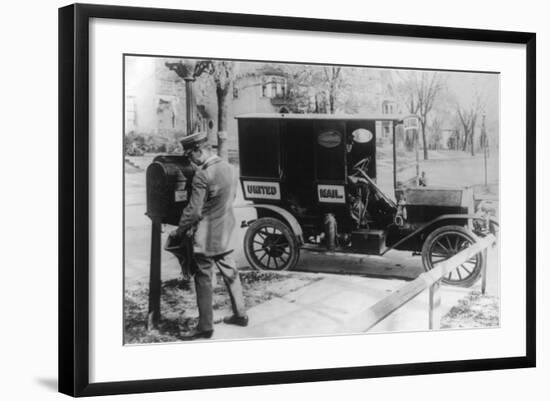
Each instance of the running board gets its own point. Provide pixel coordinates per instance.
(336, 251)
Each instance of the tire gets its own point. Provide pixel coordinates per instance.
(446, 242)
(270, 245)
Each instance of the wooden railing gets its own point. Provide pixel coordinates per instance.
(430, 280)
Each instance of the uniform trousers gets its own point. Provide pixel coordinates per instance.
(203, 286)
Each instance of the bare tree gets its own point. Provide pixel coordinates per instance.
(222, 72)
(467, 116)
(302, 83)
(328, 87)
(333, 76)
(419, 91)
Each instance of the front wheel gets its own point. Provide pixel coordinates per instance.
(446, 242)
(270, 245)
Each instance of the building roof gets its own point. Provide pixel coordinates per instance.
(271, 70)
(291, 116)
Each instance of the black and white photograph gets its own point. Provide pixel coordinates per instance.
(278, 199)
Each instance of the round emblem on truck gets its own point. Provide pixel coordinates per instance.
(329, 139)
(362, 135)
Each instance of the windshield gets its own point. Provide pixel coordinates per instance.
(407, 149)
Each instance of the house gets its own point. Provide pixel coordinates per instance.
(154, 101)
(257, 88)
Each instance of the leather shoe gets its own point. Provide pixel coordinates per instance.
(196, 334)
(236, 320)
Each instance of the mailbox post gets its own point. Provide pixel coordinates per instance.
(153, 316)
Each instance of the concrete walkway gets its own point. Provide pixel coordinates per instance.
(322, 307)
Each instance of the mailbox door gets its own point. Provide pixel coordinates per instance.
(168, 188)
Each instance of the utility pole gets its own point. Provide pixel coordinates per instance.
(186, 71)
(189, 79)
(416, 132)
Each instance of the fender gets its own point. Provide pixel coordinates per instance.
(288, 217)
(442, 217)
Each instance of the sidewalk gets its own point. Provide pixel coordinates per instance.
(322, 307)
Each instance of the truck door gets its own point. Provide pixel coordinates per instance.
(330, 162)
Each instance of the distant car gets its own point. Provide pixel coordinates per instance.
(312, 179)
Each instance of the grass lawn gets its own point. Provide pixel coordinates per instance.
(474, 311)
(179, 308)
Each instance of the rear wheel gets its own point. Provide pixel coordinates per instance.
(270, 245)
(446, 242)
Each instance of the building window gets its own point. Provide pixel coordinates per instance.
(274, 87)
(387, 108)
(165, 114)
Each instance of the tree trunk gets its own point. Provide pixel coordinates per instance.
(221, 94)
(423, 126)
(472, 131)
(331, 99)
(466, 139)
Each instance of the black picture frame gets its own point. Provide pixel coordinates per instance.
(74, 194)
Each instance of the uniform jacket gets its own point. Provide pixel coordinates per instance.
(210, 205)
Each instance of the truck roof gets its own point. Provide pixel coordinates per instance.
(291, 116)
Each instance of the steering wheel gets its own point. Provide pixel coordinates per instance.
(362, 164)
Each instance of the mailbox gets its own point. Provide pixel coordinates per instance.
(168, 188)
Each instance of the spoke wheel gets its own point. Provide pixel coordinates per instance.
(446, 242)
(270, 245)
